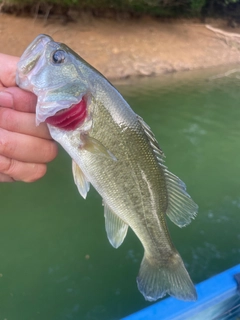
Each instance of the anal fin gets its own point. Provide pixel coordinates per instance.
(116, 228)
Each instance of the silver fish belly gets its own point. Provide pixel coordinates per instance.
(113, 149)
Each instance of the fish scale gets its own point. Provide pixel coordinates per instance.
(114, 150)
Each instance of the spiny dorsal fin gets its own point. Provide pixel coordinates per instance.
(181, 208)
(80, 180)
(116, 228)
(156, 148)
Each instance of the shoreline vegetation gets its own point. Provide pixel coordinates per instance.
(129, 38)
(127, 8)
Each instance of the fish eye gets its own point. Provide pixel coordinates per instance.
(59, 56)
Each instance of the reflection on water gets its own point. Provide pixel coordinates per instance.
(55, 259)
(228, 309)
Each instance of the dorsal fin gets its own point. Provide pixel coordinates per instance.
(181, 208)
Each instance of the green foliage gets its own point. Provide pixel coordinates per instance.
(138, 7)
(197, 5)
(227, 2)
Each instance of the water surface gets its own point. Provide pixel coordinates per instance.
(55, 260)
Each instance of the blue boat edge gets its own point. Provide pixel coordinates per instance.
(213, 291)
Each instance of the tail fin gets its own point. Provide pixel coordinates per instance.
(155, 281)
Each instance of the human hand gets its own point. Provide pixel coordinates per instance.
(24, 148)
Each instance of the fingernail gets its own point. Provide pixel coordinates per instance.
(6, 99)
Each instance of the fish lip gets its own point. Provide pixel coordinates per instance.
(29, 59)
(32, 53)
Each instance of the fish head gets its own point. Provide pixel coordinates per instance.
(50, 70)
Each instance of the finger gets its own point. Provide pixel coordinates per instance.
(17, 99)
(8, 66)
(5, 178)
(13, 170)
(26, 148)
(16, 121)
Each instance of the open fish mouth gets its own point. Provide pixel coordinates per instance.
(69, 118)
(30, 59)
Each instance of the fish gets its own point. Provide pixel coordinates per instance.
(115, 151)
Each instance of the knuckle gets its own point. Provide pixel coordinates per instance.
(26, 172)
(38, 171)
(7, 145)
(7, 166)
(8, 119)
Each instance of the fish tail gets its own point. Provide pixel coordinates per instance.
(155, 281)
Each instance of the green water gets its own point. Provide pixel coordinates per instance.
(55, 259)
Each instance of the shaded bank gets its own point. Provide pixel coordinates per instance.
(120, 49)
(155, 8)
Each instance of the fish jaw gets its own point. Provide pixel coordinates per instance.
(28, 64)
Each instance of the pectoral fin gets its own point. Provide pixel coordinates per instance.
(94, 146)
(80, 180)
(115, 227)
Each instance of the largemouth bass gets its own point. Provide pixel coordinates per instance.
(113, 149)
